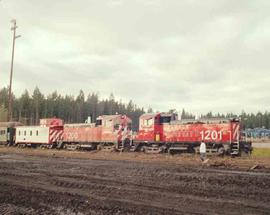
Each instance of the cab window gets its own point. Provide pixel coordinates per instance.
(148, 122)
(165, 119)
(98, 122)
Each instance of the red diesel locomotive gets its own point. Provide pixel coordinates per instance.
(109, 131)
(162, 132)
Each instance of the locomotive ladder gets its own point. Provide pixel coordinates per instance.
(235, 148)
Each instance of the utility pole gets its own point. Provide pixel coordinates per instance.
(13, 28)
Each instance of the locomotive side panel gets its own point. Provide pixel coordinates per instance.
(77, 133)
(108, 130)
(197, 132)
(109, 135)
(216, 133)
(93, 134)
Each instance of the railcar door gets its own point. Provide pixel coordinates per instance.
(10, 135)
(160, 121)
(158, 129)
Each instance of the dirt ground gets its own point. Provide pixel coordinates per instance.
(61, 182)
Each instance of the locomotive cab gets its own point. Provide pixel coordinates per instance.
(151, 126)
(151, 134)
(117, 127)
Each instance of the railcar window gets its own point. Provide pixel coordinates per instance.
(31, 133)
(36, 132)
(19, 133)
(24, 133)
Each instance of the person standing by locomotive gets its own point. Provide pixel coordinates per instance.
(203, 151)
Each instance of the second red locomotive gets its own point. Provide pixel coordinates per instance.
(163, 132)
(109, 131)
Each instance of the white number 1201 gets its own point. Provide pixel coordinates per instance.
(211, 135)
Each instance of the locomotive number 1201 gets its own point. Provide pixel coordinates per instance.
(211, 135)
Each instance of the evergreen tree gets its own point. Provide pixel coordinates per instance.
(38, 104)
(3, 113)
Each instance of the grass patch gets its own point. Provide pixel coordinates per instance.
(261, 152)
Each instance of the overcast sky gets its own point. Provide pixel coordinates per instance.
(200, 55)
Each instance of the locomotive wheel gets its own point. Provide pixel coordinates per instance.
(51, 146)
(221, 151)
(60, 145)
(171, 152)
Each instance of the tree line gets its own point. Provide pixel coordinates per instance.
(29, 108)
